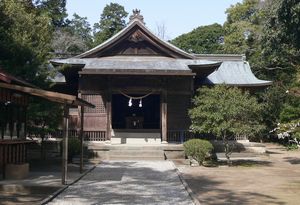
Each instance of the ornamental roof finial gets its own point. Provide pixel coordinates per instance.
(136, 15)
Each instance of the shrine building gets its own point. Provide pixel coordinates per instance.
(142, 86)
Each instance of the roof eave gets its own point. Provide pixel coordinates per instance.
(204, 70)
(60, 63)
(136, 72)
(265, 84)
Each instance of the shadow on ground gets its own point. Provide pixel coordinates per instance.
(22, 194)
(44, 179)
(292, 160)
(239, 163)
(250, 163)
(202, 186)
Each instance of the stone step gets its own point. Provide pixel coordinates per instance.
(128, 154)
(146, 158)
(136, 152)
(124, 147)
(136, 147)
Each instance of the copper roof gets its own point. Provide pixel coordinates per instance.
(218, 68)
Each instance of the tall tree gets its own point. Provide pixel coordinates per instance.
(111, 21)
(65, 44)
(79, 26)
(280, 40)
(243, 28)
(204, 39)
(56, 10)
(74, 38)
(25, 37)
(281, 53)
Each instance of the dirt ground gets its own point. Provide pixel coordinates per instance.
(274, 179)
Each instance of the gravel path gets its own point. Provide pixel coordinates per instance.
(128, 182)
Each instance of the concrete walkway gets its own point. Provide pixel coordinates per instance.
(128, 182)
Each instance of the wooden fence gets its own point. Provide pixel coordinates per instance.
(181, 136)
(13, 152)
(88, 135)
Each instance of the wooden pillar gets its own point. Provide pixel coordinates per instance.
(65, 145)
(81, 138)
(3, 160)
(192, 86)
(108, 114)
(25, 121)
(164, 116)
(108, 95)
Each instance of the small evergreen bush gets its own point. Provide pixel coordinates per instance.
(198, 149)
(73, 147)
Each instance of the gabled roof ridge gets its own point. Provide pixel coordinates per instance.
(114, 37)
(224, 57)
(122, 32)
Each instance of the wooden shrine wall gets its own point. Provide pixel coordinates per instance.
(95, 118)
(177, 117)
(97, 89)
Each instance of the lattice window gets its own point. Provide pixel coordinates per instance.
(95, 100)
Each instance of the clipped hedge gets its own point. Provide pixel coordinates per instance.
(198, 149)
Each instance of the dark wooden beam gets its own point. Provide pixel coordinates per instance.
(52, 96)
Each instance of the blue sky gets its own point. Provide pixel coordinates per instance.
(178, 16)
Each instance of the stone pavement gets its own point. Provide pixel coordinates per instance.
(128, 182)
(44, 179)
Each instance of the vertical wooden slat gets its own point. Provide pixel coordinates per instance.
(21, 153)
(17, 154)
(4, 160)
(25, 153)
(4, 155)
(15, 151)
(9, 157)
(18, 122)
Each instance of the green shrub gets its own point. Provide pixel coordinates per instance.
(198, 149)
(73, 147)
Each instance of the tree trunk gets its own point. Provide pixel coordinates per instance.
(227, 150)
(43, 155)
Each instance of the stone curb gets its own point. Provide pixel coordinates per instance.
(55, 194)
(186, 186)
